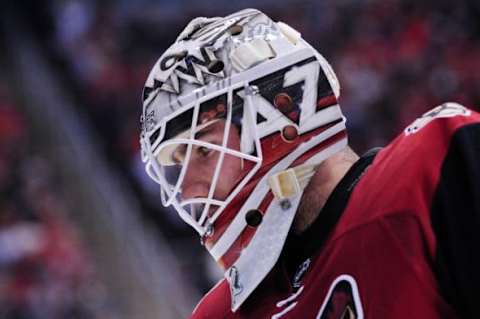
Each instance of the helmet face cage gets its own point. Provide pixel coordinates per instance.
(247, 103)
(201, 212)
(270, 100)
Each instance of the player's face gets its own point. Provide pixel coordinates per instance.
(204, 161)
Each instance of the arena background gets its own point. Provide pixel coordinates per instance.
(82, 232)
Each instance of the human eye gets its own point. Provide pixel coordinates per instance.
(203, 151)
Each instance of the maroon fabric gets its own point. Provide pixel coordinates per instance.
(380, 254)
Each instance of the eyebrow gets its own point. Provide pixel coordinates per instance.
(205, 131)
(200, 134)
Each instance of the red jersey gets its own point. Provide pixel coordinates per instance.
(396, 239)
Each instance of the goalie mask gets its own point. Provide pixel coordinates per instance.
(236, 114)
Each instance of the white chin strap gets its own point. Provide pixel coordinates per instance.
(291, 182)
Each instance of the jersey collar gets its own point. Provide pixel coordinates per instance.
(298, 248)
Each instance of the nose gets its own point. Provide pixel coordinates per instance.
(194, 184)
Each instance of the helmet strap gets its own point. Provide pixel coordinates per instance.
(291, 182)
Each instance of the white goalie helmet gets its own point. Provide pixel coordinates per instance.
(274, 100)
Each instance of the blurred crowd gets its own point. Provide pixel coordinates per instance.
(45, 271)
(395, 59)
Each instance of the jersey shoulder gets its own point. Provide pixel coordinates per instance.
(405, 173)
(424, 143)
(447, 118)
(215, 304)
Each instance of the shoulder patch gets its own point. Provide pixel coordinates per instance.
(449, 109)
(343, 300)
